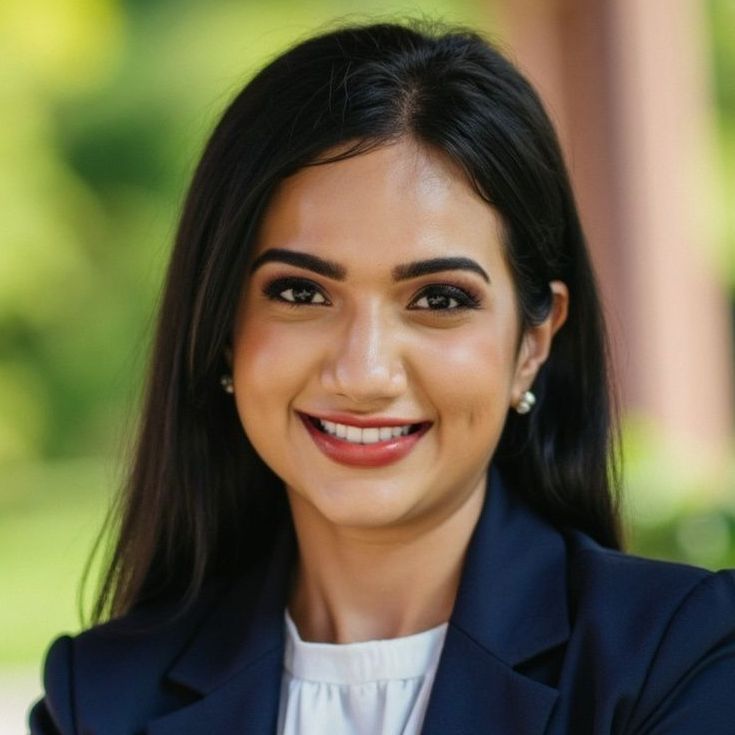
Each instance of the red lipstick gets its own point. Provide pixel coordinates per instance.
(376, 454)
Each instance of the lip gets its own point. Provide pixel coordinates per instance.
(378, 454)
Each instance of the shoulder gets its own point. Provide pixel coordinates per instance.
(663, 632)
(116, 677)
(619, 584)
(121, 661)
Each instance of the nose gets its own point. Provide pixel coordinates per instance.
(365, 363)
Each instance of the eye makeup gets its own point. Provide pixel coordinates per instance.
(295, 291)
(436, 294)
(439, 298)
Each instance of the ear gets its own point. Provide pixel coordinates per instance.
(536, 341)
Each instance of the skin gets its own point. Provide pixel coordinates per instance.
(381, 548)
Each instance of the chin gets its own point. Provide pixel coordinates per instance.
(357, 505)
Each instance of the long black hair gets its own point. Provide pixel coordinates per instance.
(198, 501)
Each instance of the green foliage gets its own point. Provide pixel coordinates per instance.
(676, 506)
(722, 25)
(50, 514)
(108, 106)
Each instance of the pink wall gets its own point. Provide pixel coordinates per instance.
(627, 83)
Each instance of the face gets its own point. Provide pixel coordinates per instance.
(374, 353)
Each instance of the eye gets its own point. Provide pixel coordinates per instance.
(444, 297)
(295, 291)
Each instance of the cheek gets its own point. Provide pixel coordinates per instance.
(470, 378)
(255, 355)
(269, 363)
(264, 379)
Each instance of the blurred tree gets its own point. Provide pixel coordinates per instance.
(108, 106)
(722, 23)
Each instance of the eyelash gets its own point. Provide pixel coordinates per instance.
(275, 288)
(464, 298)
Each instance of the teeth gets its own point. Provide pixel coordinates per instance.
(356, 435)
(370, 436)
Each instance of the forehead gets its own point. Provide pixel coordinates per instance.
(388, 204)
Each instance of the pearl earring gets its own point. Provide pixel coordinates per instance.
(526, 403)
(226, 382)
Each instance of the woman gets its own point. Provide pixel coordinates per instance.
(374, 489)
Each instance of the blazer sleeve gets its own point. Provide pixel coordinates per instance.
(690, 686)
(54, 714)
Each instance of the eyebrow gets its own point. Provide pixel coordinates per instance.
(337, 272)
(437, 265)
(313, 263)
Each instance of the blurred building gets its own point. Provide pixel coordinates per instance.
(628, 86)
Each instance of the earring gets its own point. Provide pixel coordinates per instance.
(226, 382)
(526, 403)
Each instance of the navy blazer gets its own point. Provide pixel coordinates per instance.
(550, 633)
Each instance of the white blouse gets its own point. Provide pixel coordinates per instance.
(357, 688)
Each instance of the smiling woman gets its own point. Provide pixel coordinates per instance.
(399, 515)
(369, 294)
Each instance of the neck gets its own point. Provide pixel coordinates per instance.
(372, 584)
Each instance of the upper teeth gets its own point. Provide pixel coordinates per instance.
(356, 435)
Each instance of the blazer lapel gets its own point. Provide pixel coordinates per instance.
(511, 607)
(235, 660)
(475, 693)
(247, 703)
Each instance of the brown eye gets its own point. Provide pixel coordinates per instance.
(443, 297)
(295, 291)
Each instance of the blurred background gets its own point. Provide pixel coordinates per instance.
(105, 106)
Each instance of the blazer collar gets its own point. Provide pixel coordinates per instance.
(235, 659)
(512, 598)
(511, 606)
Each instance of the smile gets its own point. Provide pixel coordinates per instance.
(364, 446)
(369, 435)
